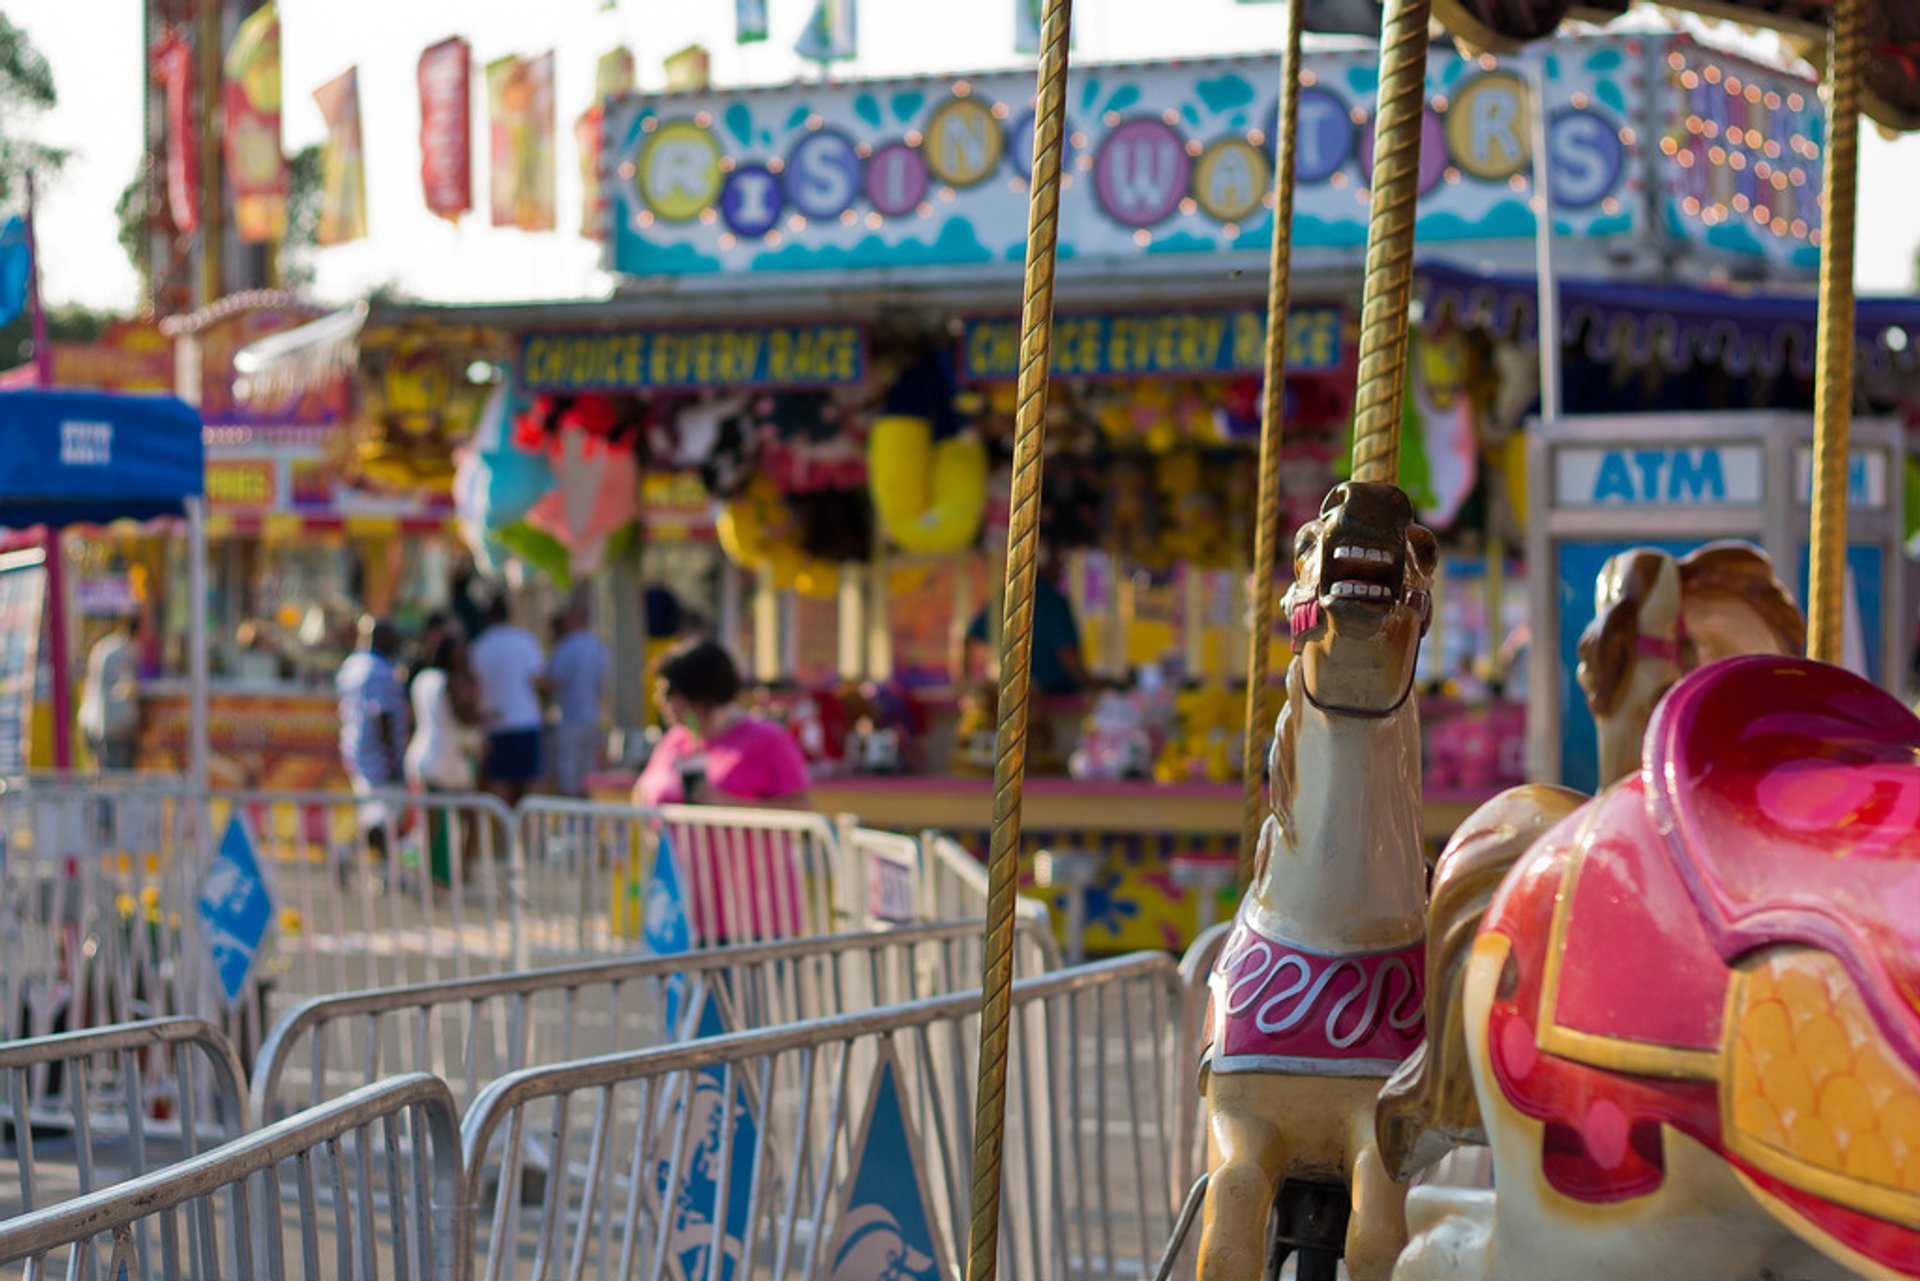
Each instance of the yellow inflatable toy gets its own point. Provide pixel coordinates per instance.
(757, 531)
(929, 498)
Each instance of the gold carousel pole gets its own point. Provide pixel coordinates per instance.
(1833, 360)
(1266, 532)
(1016, 641)
(1389, 285)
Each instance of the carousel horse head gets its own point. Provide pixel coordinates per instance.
(1657, 618)
(1361, 600)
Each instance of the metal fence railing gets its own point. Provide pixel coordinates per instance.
(85, 1110)
(471, 1031)
(744, 874)
(363, 1187)
(668, 1161)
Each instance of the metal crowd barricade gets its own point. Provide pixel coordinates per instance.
(364, 1187)
(85, 1110)
(472, 1031)
(372, 891)
(90, 880)
(1090, 1138)
(746, 874)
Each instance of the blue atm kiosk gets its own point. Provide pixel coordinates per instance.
(1601, 485)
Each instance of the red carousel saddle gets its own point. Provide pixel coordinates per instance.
(1788, 794)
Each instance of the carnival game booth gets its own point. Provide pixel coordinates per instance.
(880, 203)
(327, 497)
(89, 458)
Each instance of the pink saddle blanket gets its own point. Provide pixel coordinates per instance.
(1788, 793)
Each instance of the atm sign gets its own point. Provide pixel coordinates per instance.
(1660, 476)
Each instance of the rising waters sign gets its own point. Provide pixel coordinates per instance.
(1162, 159)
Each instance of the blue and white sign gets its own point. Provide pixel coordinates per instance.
(1867, 482)
(892, 889)
(886, 1228)
(720, 1158)
(236, 908)
(1658, 476)
(665, 929)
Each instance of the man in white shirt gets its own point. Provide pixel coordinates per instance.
(110, 707)
(511, 674)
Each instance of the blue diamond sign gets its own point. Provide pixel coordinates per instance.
(235, 907)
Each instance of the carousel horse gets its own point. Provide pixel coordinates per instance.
(1657, 618)
(1686, 1021)
(1317, 993)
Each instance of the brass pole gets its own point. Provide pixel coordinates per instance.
(1833, 359)
(213, 204)
(1266, 532)
(1396, 186)
(1016, 642)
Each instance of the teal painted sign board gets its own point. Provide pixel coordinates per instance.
(1164, 158)
(1646, 135)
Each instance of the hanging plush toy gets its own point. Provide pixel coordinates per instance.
(759, 531)
(929, 498)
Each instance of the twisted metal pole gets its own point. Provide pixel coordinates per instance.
(1833, 352)
(1266, 532)
(1396, 186)
(1016, 641)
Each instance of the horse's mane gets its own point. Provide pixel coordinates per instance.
(1283, 773)
(1739, 571)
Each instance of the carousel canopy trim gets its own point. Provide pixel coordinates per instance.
(1678, 326)
(78, 457)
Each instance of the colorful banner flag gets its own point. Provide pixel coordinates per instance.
(173, 68)
(256, 169)
(613, 74)
(446, 127)
(343, 178)
(1026, 26)
(16, 268)
(520, 110)
(750, 21)
(832, 34)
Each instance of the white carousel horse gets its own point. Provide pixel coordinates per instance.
(1657, 618)
(1686, 1021)
(1317, 993)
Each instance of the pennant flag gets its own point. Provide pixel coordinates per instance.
(343, 177)
(886, 1225)
(256, 168)
(1339, 17)
(832, 34)
(16, 268)
(613, 75)
(1026, 26)
(693, 1206)
(520, 108)
(173, 69)
(750, 21)
(446, 128)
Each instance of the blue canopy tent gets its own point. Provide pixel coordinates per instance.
(81, 457)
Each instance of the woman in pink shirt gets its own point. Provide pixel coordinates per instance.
(714, 752)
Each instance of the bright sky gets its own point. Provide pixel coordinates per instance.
(95, 49)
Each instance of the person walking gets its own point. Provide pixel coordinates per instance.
(511, 677)
(438, 760)
(373, 726)
(579, 675)
(110, 707)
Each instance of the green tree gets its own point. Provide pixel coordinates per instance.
(304, 197)
(26, 91)
(69, 323)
